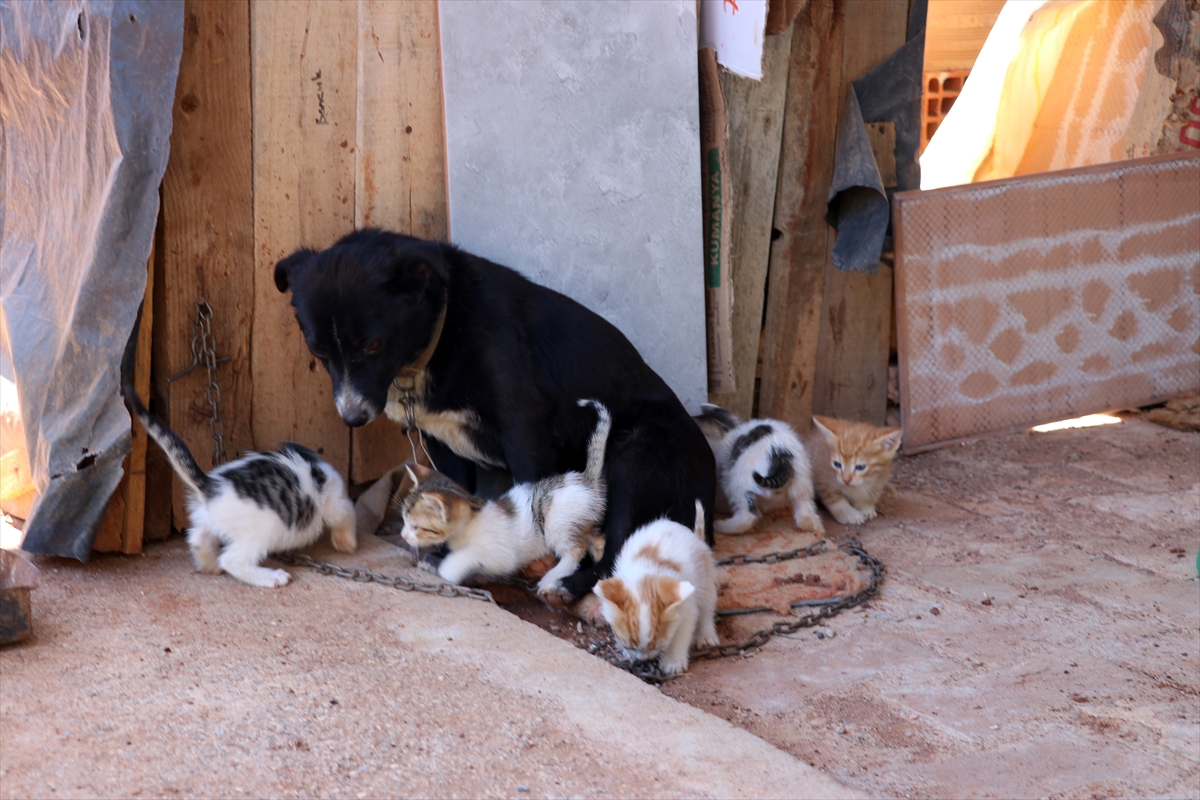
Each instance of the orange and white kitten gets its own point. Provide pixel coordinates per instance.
(851, 464)
(662, 597)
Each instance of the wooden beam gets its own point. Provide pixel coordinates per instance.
(135, 475)
(756, 124)
(856, 315)
(207, 234)
(796, 279)
(400, 169)
(305, 79)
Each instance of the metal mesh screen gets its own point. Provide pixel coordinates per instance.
(1047, 296)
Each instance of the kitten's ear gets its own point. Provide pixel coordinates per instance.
(412, 476)
(827, 427)
(889, 442)
(437, 505)
(612, 590)
(420, 473)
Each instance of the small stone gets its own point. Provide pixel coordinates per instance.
(820, 634)
(995, 727)
(937, 612)
(579, 627)
(841, 729)
(987, 601)
(522, 788)
(593, 647)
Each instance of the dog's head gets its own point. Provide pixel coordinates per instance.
(367, 308)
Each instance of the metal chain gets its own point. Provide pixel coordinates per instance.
(204, 351)
(363, 575)
(649, 672)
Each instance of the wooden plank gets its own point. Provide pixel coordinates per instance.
(400, 170)
(207, 234)
(756, 127)
(121, 527)
(852, 354)
(135, 474)
(305, 63)
(797, 267)
(955, 31)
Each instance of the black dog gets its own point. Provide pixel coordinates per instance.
(492, 365)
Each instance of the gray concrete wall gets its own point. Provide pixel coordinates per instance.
(573, 144)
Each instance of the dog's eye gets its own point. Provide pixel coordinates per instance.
(370, 347)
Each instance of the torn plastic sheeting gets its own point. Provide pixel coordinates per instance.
(859, 205)
(86, 90)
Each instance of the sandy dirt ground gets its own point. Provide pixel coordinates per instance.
(146, 679)
(1037, 635)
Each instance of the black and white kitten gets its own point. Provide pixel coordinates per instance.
(557, 516)
(760, 463)
(262, 503)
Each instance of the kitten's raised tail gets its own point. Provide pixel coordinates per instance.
(699, 528)
(722, 418)
(181, 458)
(592, 474)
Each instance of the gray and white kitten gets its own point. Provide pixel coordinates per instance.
(760, 464)
(554, 516)
(262, 503)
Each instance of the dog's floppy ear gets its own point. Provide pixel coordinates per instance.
(416, 267)
(285, 268)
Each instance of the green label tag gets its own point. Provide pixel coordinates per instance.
(712, 232)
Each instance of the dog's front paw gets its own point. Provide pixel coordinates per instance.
(427, 566)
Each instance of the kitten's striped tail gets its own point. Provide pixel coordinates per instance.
(699, 529)
(592, 474)
(181, 458)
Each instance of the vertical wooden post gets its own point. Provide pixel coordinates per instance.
(796, 279)
(207, 234)
(305, 79)
(756, 113)
(135, 476)
(400, 170)
(856, 317)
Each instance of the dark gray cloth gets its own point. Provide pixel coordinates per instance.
(86, 91)
(859, 205)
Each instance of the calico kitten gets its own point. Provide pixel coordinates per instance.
(662, 597)
(853, 461)
(759, 464)
(262, 503)
(554, 516)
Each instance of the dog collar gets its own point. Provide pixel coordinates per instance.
(406, 379)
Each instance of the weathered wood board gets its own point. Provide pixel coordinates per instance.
(305, 76)
(207, 230)
(756, 115)
(796, 280)
(852, 354)
(400, 169)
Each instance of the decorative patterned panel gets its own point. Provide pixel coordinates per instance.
(1047, 296)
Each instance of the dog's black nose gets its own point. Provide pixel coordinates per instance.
(356, 420)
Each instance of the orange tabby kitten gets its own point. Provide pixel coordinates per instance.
(851, 463)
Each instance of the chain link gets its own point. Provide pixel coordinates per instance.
(648, 671)
(204, 352)
(363, 575)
